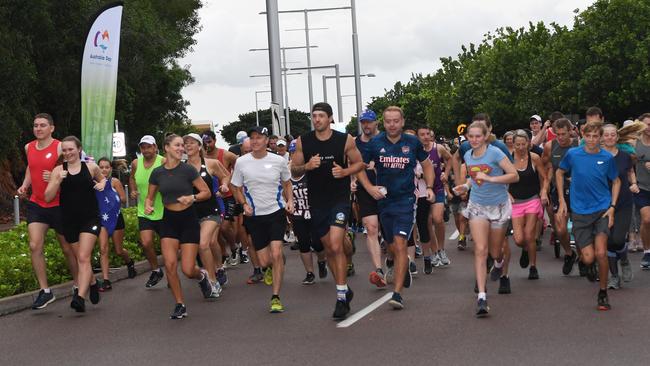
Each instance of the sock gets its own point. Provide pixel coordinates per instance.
(257, 270)
(602, 291)
(389, 263)
(341, 290)
(482, 296)
(47, 290)
(461, 237)
(275, 297)
(498, 264)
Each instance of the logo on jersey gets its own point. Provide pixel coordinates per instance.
(340, 218)
(600, 162)
(474, 169)
(405, 149)
(382, 150)
(394, 162)
(49, 155)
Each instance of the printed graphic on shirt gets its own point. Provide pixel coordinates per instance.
(474, 169)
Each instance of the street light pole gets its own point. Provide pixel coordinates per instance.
(275, 68)
(287, 120)
(325, 77)
(355, 55)
(339, 101)
(257, 109)
(338, 82)
(309, 81)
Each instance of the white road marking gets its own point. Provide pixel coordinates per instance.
(365, 311)
(454, 236)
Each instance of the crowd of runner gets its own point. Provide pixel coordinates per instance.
(212, 208)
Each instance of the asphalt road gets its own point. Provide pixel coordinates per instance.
(552, 321)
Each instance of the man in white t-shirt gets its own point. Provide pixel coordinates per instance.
(282, 149)
(261, 179)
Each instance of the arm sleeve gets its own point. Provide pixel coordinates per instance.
(153, 178)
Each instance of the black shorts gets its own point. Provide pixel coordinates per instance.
(119, 225)
(181, 225)
(73, 227)
(266, 228)
(586, 227)
(232, 208)
(555, 200)
(324, 217)
(51, 216)
(642, 199)
(367, 204)
(422, 219)
(302, 229)
(146, 224)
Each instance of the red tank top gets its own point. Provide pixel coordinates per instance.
(39, 160)
(220, 154)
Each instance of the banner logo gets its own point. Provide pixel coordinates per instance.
(103, 41)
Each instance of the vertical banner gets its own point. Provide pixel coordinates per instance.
(99, 81)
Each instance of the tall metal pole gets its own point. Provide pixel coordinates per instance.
(309, 81)
(355, 54)
(325, 88)
(286, 92)
(275, 65)
(257, 112)
(339, 99)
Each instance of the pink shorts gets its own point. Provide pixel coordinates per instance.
(533, 206)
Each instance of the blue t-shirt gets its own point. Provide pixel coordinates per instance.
(486, 193)
(395, 164)
(465, 147)
(590, 178)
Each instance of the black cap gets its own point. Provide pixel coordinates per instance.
(259, 129)
(324, 107)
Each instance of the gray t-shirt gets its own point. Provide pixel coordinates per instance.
(173, 183)
(642, 173)
(262, 181)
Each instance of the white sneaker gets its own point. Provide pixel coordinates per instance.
(444, 260)
(435, 260)
(390, 274)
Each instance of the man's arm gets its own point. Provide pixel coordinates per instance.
(446, 158)
(132, 184)
(455, 163)
(429, 177)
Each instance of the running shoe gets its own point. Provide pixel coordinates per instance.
(154, 278)
(289, 237)
(569, 261)
(268, 276)
(603, 301)
(396, 301)
(377, 279)
(276, 306)
(256, 277)
(310, 279)
(390, 274)
(105, 286)
(216, 290)
(234, 258)
(524, 261)
(504, 285)
(222, 277)
(462, 244)
(442, 256)
(591, 273)
(645, 261)
(226, 261)
(614, 282)
(180, 311)
(482, 308)
(243, 256)
(205, 285)
(626, 269)
(294, 246)
(413, 268)
(435, 260)
(78, 304)
(322, 269)
(43, 300)
(408, 278)
(351, 271)
(94, 293)
(428, 266)
(130, 267)
(582, 268)
(418, 251)
(341, 309)
(533, 274)
(495, 272)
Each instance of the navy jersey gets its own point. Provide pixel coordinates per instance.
(362, 146)
(395, 164)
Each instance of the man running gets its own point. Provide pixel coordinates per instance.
(42, 156)
(395, 156)
(141, 169)
(332, 157)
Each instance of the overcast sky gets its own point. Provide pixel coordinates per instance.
(395, 40)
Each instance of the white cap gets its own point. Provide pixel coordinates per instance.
(147, 139)
(536, 117)
(281, 142)
(240, 136)
(628, 122)
(194, 136)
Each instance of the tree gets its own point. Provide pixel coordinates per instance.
(300, 123)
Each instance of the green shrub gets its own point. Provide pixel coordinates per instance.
(16, 275)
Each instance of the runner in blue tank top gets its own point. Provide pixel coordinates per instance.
(395, 156)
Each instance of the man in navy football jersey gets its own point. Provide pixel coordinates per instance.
(395, 156)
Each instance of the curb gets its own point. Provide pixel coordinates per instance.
(20, 302)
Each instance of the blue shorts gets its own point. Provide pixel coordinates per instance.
(642, 199)
(440, 197)
(396, 220)
(323, 217)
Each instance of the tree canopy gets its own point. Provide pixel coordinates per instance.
(300, 123)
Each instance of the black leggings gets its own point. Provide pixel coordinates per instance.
(303, 234)
(618, 233)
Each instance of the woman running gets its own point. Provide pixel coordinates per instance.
(489, 206)
(509, 141)
(528, 198)
(616, 246)
(180, 226)
(78, 181)
(117, 233)
(208, 210)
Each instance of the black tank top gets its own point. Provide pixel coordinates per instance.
(78, 195)
(528, 185)
(209, 206)
(324, 189)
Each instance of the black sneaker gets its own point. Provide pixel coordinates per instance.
(569, 261)
(341, 309)
(243, 256)
(78, 304)
(603, 301)
(309, 279)
(504, 285)
(482, 308)
(462, 244)
(413, 268)
(396, 301)
(130, 267)
(428, 266)
(582, 268)
(206, 288)
(106, 285)
(591, 272)
(222, 277)
(533, 274)
(94, 293)
(408, 278)
(180, 311)
(154, 278)
(43, 300)
(496, 272)
(322, 269)
(524, 261)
